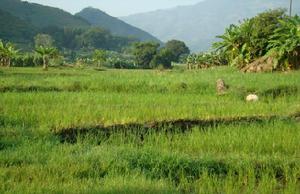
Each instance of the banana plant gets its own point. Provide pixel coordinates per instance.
(284, 45)
(11, 52)
(230, 43)
(46, 53)
(7, 53)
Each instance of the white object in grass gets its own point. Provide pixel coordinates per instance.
(252, 98)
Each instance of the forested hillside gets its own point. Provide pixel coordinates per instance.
(40, 15)
(15, 29)
(116, 26)
(21, 21)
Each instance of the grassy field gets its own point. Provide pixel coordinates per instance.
(246, 155)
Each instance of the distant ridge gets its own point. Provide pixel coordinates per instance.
(118, 27)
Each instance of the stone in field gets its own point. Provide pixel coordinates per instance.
(221, 87)
(252, 98)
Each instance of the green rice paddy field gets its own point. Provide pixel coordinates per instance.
(74, 130)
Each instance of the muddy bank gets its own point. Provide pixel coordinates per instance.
(70, 135)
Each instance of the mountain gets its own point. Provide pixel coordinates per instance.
(199, 24)
(20, 21)
(116, 26)
(40, 15)
(15, 29)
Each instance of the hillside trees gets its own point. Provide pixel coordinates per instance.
(163, 58)
(144, 52)
(177, 48)
(16, 29)
(93, 38)
(150, 55)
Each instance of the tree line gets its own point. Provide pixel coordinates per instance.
(144, 55)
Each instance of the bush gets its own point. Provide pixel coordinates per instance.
(271, 33)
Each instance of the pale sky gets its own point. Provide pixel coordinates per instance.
(115, 7)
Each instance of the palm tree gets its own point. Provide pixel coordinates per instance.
(46, 53)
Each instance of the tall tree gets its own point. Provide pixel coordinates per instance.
(163, 58)
(99, 57)
(177, 48)
(144, 52)
(43, 40)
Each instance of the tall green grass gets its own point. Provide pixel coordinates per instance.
(254, 157)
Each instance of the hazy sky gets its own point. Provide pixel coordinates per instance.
(115, 7)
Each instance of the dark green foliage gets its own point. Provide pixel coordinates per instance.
(144, 53)
(260, 28)
(15, 29)
(177, 48)
(114, 25)
(163, 58)
(93, 38)
(64, 37)
(78, 39)
(96, 37)
(172, 52)
(148, 55)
